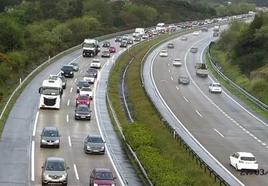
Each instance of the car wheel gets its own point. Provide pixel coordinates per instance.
(41, 146)
(58, 146)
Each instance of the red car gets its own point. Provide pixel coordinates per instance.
(102, 176)
(82, 100)
(112, 49)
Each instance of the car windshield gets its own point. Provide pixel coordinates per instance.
(83, 109)
(104, 175)
(89, 45)
(70, 68)
(83, 97)
(95, 140)
(83, 84)
(55, 166)
(86, 89)
(51, 91)
(74, 64)
(50, 133)
(248, 158)
(91, 70)
(216, 85)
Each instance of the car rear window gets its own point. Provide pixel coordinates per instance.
(51, 133)
(104, 175)
(55, 166)
(248, 158)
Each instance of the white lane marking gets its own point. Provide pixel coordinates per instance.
(67, 118)
(32, 162)
(75, 80)
(198, 113)
(169, 70)
(219, 133)
(35, 123)
(75, 59)
(185, 99)
(177, 88)
(68, 102)
(81, 71)
(76, 173)
(263, 144)
(69, 140)
(171, 78)
(71, 90)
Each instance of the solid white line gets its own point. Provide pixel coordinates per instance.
(185, 99)
(71, 90)
(32, 162)
(35, 123)
(68, 102)
(76, 173)
(198, 113)
(67, 118)
(69, 140)
(75, 80)
(219, 133)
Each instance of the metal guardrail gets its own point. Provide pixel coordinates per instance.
(250, 97)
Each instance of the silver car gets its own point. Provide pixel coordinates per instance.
(75, 66)
(54, 171)
(50, 137)
(94, 144)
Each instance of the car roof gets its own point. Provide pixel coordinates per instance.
(55, 159)
(50, 128)
(215, 83)
(102, 170)
(246, 154)
(94, 136)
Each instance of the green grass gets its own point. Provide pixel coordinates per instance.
(165, 160)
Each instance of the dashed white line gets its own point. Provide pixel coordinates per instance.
(219, 133)
(81, 71)
(69, 140)
(177, 88)
(67, 118)
(263, 144)
(169, 70)
(76, 173)
(75, 80)
(171, 78)
(68, 102)
(71, 90)
(35, 123)
(198, 113)
(32, 161)
(185, 99)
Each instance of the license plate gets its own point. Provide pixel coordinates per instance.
(83, 116)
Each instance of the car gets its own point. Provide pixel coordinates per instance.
(95, 63)
(54, 171)
(163, 53)
(86, 91)
(118, 39)
(112, 49)
(194, 50)
(50, 137)
(177, 62)
(75, 66)
(106, 44)
(105, 53)
(184, 38)
(64, 81)
(125, 38)
(216, 34)
(67, 71)
(145, 36)
(214, 87)
(170, 45)
(82, 99)
(94, 144)
(183, 79)
(102, 176)
(130, 41)
(123, 44)
(204, 29)
(82, 112)
(90, 78)
(138, 38)
(196, 33)
(80, 84)
(244, 161)
(92, 72)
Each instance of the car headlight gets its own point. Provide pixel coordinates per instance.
(43, 141)
(64, 176)
(57, 141)
(88, 147)
(71, 72)
(95, 184)
(102, 148)
(77, 114)
(46, 177)
(113, 184)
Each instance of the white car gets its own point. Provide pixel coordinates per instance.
(86, 91)
(89, 78)
(95, 63)
(177, 62)
(196, 33)
(163, 53)
(244, 160)
(214, 87)
(184, 38)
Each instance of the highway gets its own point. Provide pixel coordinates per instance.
(218, 121)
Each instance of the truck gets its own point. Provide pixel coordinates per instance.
(139, 32)
(90, 47)
(201, 69)
(160, 27)
(50, 94)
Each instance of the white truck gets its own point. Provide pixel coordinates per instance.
(160, 27)
(139, 32)
(90, 47)
(50, 94)
(201, 69)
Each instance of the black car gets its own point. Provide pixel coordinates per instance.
(130, 41)
(93, 72)
(123, 44)
(94, 144)
(80, 84)
(50, 137)
(106, 44)
(67, 71)
(170, 45)
(82, 112)
(105, 53)
(185, 80)
(118, 39)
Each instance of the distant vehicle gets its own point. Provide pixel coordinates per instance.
(82, 99)
(163, 53)
(112, 50)
(67, 71)
(105, 53)
(216, 34)
(56, 78)
(216, 28)
(183, 79)
(184, 38)
(54, 171)
(80, 84)
(95, 63)
(214, 87)
(196, 33)
(201, 69)
(86, 91)
(90, 47)
(194, 50)
(90, 78)
(244, 161)
(106, 44)
(130, 41)
(50, 137)
(125, 38)
(170, 45)
(94, 144)
(118, 39)
(123, 44)
(139, 32)
(160, 27)
(177, 62)
(204, 29)
(102, 176)
(50, 94)
(64, 81)
(137, 39)
(82, 112)
(145, 36)
(75, 66)
(92, 72)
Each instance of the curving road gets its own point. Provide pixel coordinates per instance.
(218, 121)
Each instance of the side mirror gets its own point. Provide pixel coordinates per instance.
(40, 90)
(67, 168)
